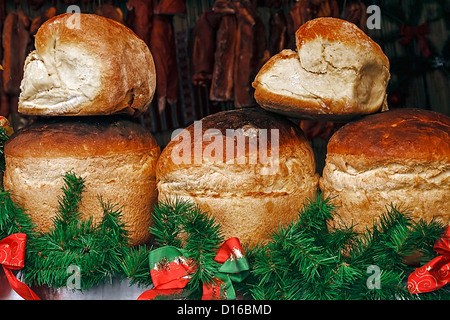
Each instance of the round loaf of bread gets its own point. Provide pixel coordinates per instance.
(116, 157)
(250, 169)
(337, 72)
(86, 64)
(399, 157)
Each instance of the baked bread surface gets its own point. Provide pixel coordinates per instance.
(399, 157)
(116, 157)
(251, 193)
(336, 73)
(86, 64)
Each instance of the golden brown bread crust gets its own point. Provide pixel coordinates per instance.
(251, 118)
(56, 137)
(395, 135)
(307, 108)
(331, 29)
(116, 157)
(249, 199)
(103, 66)
(399, 157)
(337, 73)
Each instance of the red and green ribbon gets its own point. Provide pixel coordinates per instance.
(171, 271)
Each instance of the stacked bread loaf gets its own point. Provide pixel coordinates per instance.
(87, 80)
(399, 157)
(251, 168)
(337, 73)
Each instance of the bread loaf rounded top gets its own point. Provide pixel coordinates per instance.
(396, 135)
(85, 64)
(249, 151)
(60, 137)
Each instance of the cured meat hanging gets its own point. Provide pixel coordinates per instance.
(40, 19)
(110, 12)
(139, 18)
(204, 46)
(250, 52)
(236, 33)
(4, 99)
(355, 12)
(162, 46)
(277, 31)
(16, 39)
(222, 83)
(16, 45)
(152, 22)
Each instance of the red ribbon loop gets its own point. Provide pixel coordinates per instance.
(12, 257)
(409, 33)
(436, 273)
(230, 249)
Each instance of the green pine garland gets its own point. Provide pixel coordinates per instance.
(13, 218)
(182, 224)
(305, 260)
(96, 249)
(3, 138)
(302, 260)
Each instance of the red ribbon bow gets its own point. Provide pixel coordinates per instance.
(171, 272)
(436, 273)
(12, 257)
(419, 32)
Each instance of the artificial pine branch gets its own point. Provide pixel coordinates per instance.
(306, 260)
(135, 266)
(203, 239)
(68, 205)
(167, 224)
(97, 249)
(13, 218)
(112, 230)
(180, 223)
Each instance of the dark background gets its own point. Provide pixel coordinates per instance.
(413, 34)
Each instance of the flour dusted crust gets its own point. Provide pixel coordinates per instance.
(86, 64)
(248, 199)
(336, 73)
(116, 157)
(399, 157)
